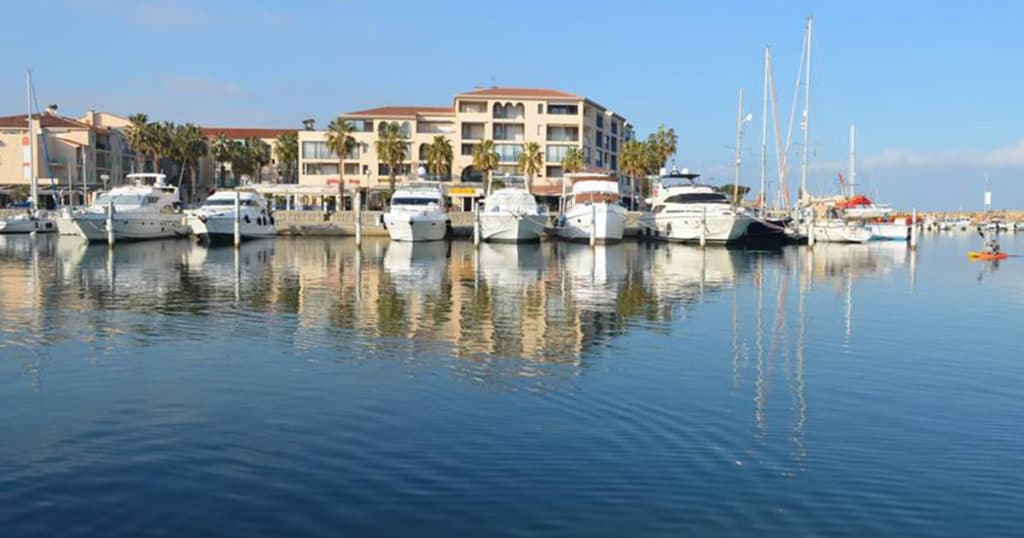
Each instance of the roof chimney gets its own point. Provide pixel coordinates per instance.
(51, 109)
(308, 123)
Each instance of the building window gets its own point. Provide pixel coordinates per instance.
(320, 169)
(563, 110)
(467, 149)
(472, 107)
(402, 170)
(615, 127)
(317, 150)
(557, 133)
(508, 152)
(555, 154)
(599, 139)
(615, 144)
(615, 162)
(554, 171)
(351, 169)
(473, 131)
(505, 131)
(405, 129)
(540, 108)
(600, 120)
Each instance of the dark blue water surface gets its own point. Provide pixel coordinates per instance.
(303, 389)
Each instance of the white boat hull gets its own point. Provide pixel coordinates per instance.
(580, 220)
(416, 227)
(890, 232)
(131, 227)
(841, 232)
(222, 228)
(24, 225)
(511, 228)
(724, 228)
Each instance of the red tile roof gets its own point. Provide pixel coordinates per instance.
(236, 133)
(48, 121)
(520, 92)
(403, 111)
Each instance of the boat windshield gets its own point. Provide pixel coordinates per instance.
(120, 199)
(698, 198)
(413, 201)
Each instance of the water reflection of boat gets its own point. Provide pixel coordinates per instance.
(596, 273)
(416, 265)
(507, 266)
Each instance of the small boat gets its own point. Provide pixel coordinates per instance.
(38, 222)
(896, 230)
(987, 256)
(511, 215)
(417, 213)
(593, 207)
(835, 230)
(214, 221)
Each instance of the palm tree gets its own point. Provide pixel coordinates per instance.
(485, 159)
(530, 163)
(655, 161)
(137, 138)
(440, 156)
(665, 143)
(286, 149)
(573, 161)
(160, 141)
(391, 146)
(241, 159)
(221, 152)
(188, 145)
(634, 162)
(341, 143)
(259, 154)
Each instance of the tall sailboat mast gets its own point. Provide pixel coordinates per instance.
(739, 140)
(33, 178)
(807, 106)
(764, 132)
(853, 160)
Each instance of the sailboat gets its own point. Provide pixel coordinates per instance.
(846, 220)
(34, 220)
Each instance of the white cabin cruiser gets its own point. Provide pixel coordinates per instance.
(214, 221)
(511, 215)
(592, 207)
(148, 208)
(834, 230)
(38, 222)
(683, 210)
(417, 213)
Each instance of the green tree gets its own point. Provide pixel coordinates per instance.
(740, 191)
(241, 160)
(188, 145)
(340, 142)
(138, 138)
(633, 159)
(530, 163)
(221, 150)
(655, 162)
(259, 154)
(664, 143)
(161, 142)
(440, 156)
(485, 159)
(391, 146)
(286, 149)
(573, 161)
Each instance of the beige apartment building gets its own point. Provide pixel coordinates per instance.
(72, 154)
(510, 117)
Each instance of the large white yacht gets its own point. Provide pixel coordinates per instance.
(511, 214)
(148, 208)
(594, 206)
(417, 213)
(682, 210)
(214, 221)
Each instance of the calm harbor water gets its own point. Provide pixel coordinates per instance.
(300, 388)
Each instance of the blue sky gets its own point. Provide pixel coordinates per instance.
(934, 87)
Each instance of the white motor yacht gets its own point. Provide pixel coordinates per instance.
(214, 221)
(592, 207)
(418, 213)
(148, 208)
(683, 210)
(834, 230)
(38, 222)
(511, 215)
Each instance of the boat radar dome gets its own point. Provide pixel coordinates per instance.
(421, 171)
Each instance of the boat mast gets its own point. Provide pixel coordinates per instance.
(807, 105)
(853, 160)
(764, 132)
(33, 180)
(739, 140)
